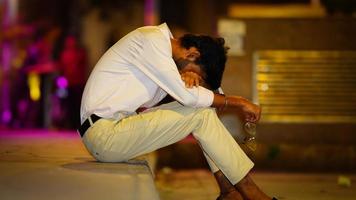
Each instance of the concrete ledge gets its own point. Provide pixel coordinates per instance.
(114, 181)
(42, 165)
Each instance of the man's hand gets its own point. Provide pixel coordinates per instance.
(248, 111)
(191, 79)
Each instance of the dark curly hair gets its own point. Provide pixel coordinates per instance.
(212, 56)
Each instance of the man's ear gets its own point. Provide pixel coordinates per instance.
(193, 54)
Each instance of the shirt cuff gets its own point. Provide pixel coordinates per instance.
(205, 98)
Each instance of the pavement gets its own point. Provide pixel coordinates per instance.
(200, 185)
(55, 165)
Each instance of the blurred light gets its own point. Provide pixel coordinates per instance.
(150, 12)
(62, 82)
(6, 116)
(292, 10)
(34, 83)
(264, 87)
(264, 69)
(10, 11)
(22, 106)
(32, 50)
(18, 62)
(62, 93)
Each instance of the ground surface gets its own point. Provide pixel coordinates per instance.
(55, 165)
(200, 185)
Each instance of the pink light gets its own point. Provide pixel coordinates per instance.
(62, 82)
(6, 116)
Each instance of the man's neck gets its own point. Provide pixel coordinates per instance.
(175, 47)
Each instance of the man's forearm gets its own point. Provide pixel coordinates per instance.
(223, 102)
(245, 108)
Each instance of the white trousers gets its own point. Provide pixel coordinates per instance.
(120, 141)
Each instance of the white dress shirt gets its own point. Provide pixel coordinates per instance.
(138, 71)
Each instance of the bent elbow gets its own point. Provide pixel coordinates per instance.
(189, 101)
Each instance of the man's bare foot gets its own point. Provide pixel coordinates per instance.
(227, 190)
(232, 195)
(249, 190)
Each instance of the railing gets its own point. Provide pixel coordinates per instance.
(306, 86)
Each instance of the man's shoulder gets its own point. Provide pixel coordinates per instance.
(160, 31)
(151, 32)
(155, 38)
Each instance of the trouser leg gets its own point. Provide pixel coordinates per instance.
(222, 151)
(111, 141)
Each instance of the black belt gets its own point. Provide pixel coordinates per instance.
(84, 127)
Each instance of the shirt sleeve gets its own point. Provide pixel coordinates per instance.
(155, 60)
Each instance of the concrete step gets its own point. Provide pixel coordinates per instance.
(56, 165)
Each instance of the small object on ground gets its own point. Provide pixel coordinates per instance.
(167, 170)
(344, 181)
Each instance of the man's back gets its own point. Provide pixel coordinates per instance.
(138, 70)
(117, 87)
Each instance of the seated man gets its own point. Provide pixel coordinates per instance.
(139, 71)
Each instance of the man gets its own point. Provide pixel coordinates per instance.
(139, 71)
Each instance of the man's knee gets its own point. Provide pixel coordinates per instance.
(206, 113)
(200, 114)
(207, 124)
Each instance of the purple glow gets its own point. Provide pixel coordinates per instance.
(62, 82)
(9, 19)
(6, 116)
(38, 133)
(62, 93)
(22, 106)
(6, 55)
(10, 12)
(5, 89)
(32, 50)
(150, 9)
